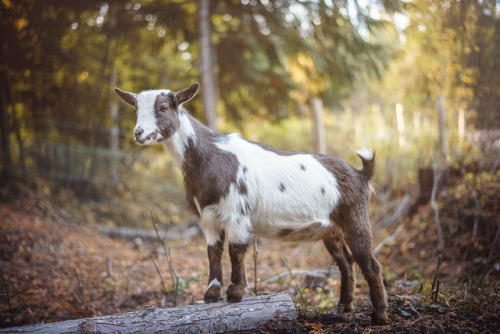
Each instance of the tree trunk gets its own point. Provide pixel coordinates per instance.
(208, 91)
(442, 132)
(6, 157)
(114, 139)
(267, 313)
(319, 127)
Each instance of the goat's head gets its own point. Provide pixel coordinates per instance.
(157, 112)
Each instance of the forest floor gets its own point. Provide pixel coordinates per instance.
(54, 270)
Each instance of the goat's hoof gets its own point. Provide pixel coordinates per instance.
(212, 294)
(379, 319)
(345, 307)
(235, 293)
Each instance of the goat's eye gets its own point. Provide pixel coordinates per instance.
(163, 108)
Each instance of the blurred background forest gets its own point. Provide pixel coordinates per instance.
(379, 72)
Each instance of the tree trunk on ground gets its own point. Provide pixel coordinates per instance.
(208, 91)
(267, 313)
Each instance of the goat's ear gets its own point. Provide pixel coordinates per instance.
(186, 94)
(130, 98)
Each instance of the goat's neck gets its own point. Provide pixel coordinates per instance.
(189, 130)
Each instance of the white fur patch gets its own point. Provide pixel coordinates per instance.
(176, 145)
(215, 281)
(365, 153)
(284, 193)
(210, 226)
(146, 119)
(197, 204)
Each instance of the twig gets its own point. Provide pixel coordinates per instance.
(8, 300)
(437, 272)
(79, 281)
(473, 237)
(173, 275)
(255, 254)
(388, 239)
(437, 292)
(437, 176)
(495, 164)
(477, 214)
(405, 204)
(304, 300)
(490, 255)
(109, 267)
(172, 299)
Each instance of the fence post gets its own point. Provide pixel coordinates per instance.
(319, 128)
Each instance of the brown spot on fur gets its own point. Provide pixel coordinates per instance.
(245, 209)
(282, 187)
(242, 187)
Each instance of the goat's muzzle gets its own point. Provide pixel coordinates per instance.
(152, 138)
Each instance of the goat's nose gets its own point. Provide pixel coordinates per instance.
(138, 132)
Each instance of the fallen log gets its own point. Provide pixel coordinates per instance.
(267, 313)
(131, 233)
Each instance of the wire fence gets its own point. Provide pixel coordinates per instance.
(96, 185)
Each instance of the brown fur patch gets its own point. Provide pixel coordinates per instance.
(205, 164)
(214, 258)
(315, 231)
(166, 114)
(237, 289)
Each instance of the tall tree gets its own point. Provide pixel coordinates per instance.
(207, 74)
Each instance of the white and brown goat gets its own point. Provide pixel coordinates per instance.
(239, 189)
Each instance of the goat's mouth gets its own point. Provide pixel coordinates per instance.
(150, 139)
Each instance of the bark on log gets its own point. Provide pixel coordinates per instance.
(267, 313)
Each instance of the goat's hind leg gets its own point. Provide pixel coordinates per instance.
(335, 244)
(358, 236)
(237, 289)
(215, 282)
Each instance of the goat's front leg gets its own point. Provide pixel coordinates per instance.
(237, 288)
(215, 283)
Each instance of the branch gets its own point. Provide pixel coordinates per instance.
(255, 253)
(388, 239)
(437, 177)
(8, 299)
(173, 275)
(326, 272)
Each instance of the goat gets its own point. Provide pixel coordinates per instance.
(239, 188)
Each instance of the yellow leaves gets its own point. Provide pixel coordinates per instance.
(82, 76)
(7, 4)
(303, 71)
(21, 23)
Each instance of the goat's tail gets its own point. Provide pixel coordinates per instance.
(367, 156)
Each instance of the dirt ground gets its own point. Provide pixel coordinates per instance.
(54, 270)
